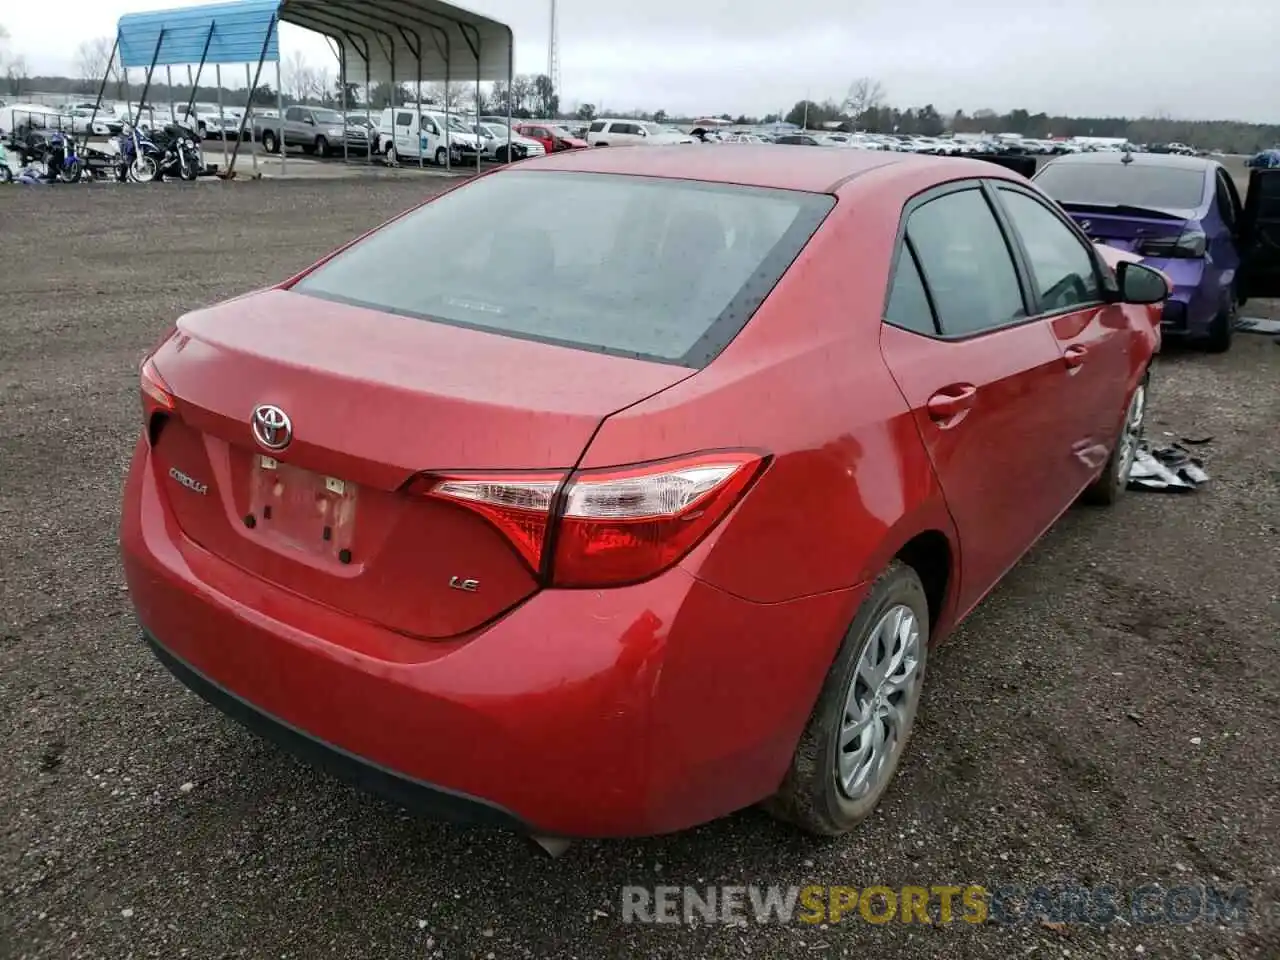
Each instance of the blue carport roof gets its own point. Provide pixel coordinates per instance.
(385, 36)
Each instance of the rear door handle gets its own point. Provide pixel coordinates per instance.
(1075, 355)
(950, 402)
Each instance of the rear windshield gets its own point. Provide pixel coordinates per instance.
(1132, 184)
(666, 270)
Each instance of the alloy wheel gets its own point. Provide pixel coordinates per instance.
(881, 703)
(1131, 433)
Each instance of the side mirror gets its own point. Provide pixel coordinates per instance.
(309, 121)
(1139, 284)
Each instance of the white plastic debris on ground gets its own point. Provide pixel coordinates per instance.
(1170, 468)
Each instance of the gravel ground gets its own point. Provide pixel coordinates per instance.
(1110, 714)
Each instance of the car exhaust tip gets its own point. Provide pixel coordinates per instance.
(551, 846)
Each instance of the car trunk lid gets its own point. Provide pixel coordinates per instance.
(1127, 228)
(373, 399)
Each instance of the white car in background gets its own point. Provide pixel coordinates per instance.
(493, 143)
(618, 133)
(84, 120)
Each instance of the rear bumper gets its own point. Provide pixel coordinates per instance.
(632, 711)
(412, 794)
(1194, 303)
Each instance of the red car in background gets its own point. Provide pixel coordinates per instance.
(552, 137)
(611, 529)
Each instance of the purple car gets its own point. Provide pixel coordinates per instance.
(1184, 217)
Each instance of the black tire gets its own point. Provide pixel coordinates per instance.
(322, 147)
(269, 141)
(602, 144)
(1221, 330)
(811, 796)
(441, 154)
(1114, 479)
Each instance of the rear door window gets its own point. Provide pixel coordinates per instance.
(1062, 267)
(1228, 200)
(908, 307)
(966, 262)
(663, 269)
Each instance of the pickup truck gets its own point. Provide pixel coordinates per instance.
(314, 129)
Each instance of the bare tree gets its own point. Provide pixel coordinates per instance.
(521, 92)
(865, 93)
(16, 73)
(323, 86)
(450, 96)
(299, 78)
(95, 59)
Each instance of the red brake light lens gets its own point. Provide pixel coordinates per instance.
(1191, 245)
(155, 392)
(626, 525)
(605, 527)
(518, 505)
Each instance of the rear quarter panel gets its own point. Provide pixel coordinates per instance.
(849, 482)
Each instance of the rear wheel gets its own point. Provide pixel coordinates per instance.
(1114, 478)
(269, 142)
(390, 155)
(859, 727)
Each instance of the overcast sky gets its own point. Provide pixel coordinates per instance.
(1183, 58)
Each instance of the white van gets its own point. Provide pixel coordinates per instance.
(399, 137)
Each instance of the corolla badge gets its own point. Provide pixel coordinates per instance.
(271, 426)
(191, 483)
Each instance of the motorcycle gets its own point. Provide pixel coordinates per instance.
(56, 151)
(64, 159)
(139, 156)
(180, 154)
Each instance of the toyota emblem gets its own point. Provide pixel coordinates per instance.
(271, 427)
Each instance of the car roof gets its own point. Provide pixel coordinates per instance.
(1138, 160)
(761, 165)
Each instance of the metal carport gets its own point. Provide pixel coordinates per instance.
(388, 41)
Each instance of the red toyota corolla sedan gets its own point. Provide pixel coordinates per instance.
(612, 525)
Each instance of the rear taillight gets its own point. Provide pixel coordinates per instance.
(156, 395)
(1189, 246)
(596, 528)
